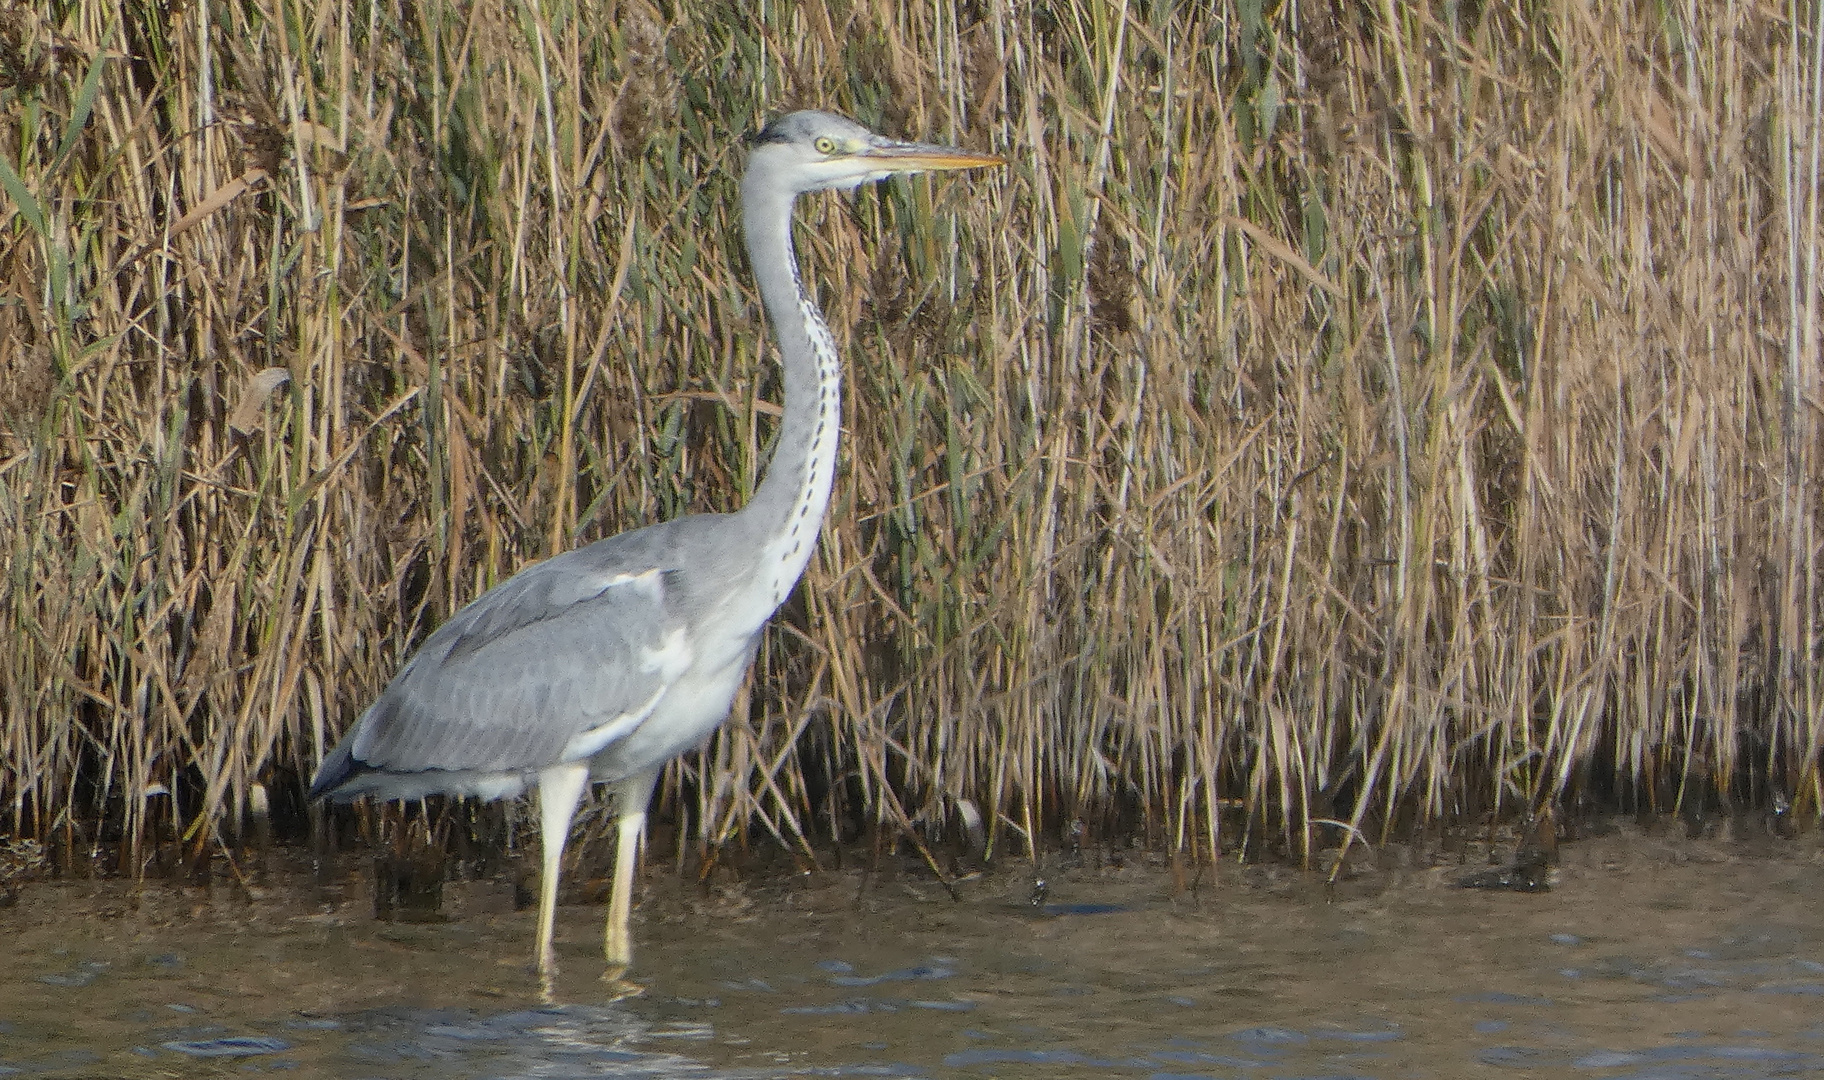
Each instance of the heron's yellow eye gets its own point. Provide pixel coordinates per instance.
(825, 144)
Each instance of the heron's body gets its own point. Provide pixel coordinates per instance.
(606, 641)
(606, 662)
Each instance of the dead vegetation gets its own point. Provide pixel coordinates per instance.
(1370, 414)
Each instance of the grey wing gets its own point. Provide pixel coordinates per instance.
(565, 658)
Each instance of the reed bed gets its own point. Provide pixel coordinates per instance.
(1339, 418)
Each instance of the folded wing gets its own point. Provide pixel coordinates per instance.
(560, 661)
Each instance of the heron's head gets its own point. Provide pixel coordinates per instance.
(811, 151)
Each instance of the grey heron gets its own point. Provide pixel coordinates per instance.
(605, 662)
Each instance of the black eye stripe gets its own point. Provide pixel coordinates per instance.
(771, 133)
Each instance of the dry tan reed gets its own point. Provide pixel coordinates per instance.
(1337, 419)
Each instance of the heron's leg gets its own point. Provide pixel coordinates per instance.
(630, 798)
(560, 788)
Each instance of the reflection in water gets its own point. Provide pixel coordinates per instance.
(1643, 963)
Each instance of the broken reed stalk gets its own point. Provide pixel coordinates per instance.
(1359, 417)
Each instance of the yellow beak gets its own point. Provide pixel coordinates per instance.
(911, 156)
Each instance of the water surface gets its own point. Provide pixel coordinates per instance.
(1650, 958)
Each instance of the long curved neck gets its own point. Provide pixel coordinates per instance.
(787, 510)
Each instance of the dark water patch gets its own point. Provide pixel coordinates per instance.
(1224, 1061)
(1522, 1057)
(1689, 982)
(81, 975)
(314, 1023)
(1502, 997)
(965, 1058)
(911, 974)
(78, 1058)
(893, 1070)
(840, 1008)
(193, 1033)
(1387, 1033)
(1722, 1062)
(864, 1006)
(231, 1046)
(1759, 941)
(1270, 1036)
(1083, 909)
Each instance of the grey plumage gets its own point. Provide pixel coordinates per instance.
(605, 662)
(576, 640)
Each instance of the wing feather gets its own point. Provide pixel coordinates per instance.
(561, 660)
